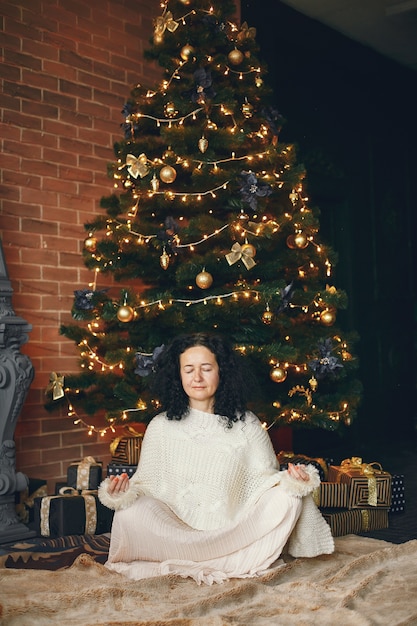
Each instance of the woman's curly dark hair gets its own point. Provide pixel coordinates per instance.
(230, 398)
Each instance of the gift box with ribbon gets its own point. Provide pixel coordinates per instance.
(115, 469)
(85, 474)
(331, 495)
(398, 494)
(125, 450)
(369, 485)
(71, 513)
(353, 521)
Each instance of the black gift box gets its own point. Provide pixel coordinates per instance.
(115, 469)
(397, 494)
(57, 516)
(85, 474)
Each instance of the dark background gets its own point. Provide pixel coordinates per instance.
(351, 112)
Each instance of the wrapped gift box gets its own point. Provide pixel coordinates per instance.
(85, 474)
(115, 469)
(369, 486)
(331, 495)
(126, 450)
(300, 459)
(398, 494)
(353, 521)
(68, 514)
(37, 488)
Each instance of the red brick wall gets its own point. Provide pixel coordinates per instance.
(66, 70)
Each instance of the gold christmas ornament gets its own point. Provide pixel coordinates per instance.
(249, 250)
(170, 110)
(258, 81)
(186, 2)
(328, 317)
(247, 110)
(90, 244)
(186, 52)
(238, 253)
(313, 383)
(267, 315)
(167, 174)
(301, 240)
(164, 260)
(278, 374)
(125, 313)
(204, 280)
(137, 166)
(202, 144)
(235, 57)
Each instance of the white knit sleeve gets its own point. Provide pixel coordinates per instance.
(297, 487)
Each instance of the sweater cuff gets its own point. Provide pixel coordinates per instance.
(297, 487)
(120, 500)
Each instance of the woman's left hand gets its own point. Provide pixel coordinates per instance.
(298, 472)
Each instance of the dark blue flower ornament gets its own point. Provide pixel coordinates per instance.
(251, 189)
(146, 362)
(326, 364)
(203, 86)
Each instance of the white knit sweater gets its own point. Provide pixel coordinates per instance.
(208, 474)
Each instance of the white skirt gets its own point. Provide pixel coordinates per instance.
(148, 539)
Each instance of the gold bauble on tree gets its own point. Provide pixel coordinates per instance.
(170, 110)
(204, 280)
(267, 315)
(202, 144)
(235, 56)
(249, 250)
(125, 313)
(186, 52)
(328, 317)
(278, 374)
(300, 240)
(90, 244)
(167, 174)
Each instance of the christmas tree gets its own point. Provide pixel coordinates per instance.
(211, 229)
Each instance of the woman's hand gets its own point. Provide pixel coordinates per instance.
(118, 484)
(298, 472)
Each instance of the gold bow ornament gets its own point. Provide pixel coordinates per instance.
(90, 504)
(246, 32)
(165, 22)
(367, 469)
(238, 253)
(56, 385)
(137, 166)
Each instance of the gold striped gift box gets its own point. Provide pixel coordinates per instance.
(331, 495)
(353, 521)
(369, 485)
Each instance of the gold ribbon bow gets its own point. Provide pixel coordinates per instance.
(165, 22)
(83, 471)
(56, 385)
(137, 166)
(237, 254)
(246, 32)
(367, 469)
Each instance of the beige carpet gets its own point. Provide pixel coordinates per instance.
(366, 582)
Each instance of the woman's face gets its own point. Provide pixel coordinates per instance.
(200, 377)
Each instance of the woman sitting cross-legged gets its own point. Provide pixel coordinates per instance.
(208, 499)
